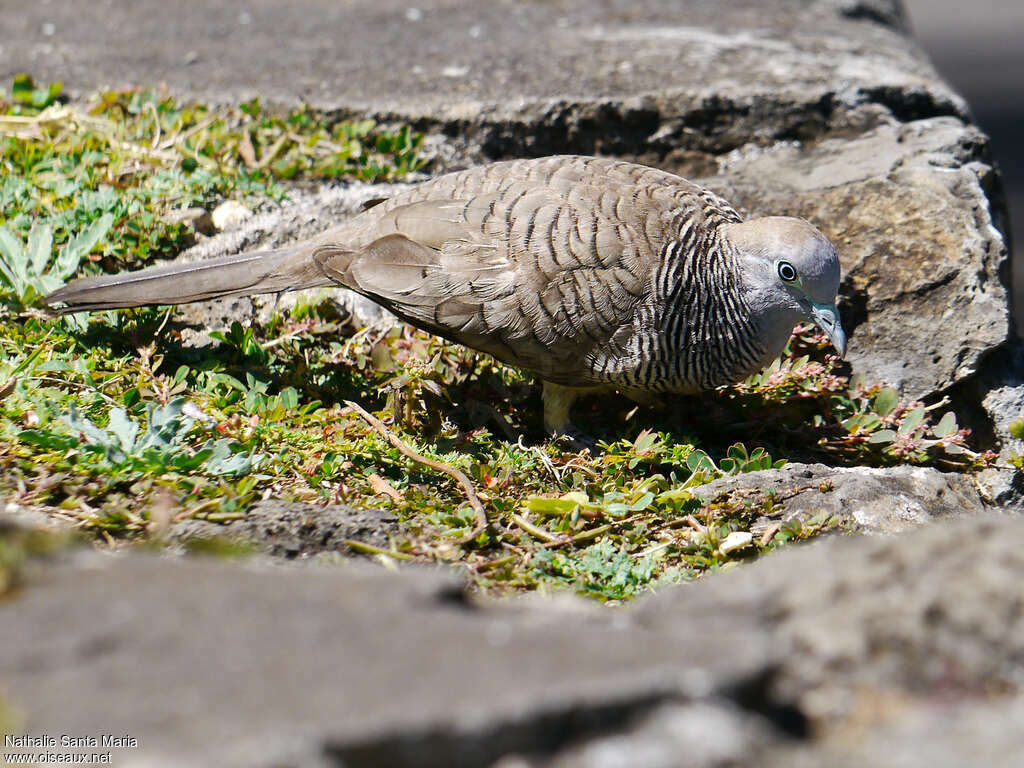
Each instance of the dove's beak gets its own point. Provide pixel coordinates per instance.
(826, 317)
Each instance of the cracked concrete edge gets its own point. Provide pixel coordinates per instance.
(653, 125)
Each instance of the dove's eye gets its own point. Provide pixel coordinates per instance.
(786, 272)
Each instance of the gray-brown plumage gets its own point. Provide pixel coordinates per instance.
(590, 272)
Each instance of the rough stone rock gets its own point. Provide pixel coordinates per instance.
(820, 108)
(605, 75)
(292, 530)
(928, 615)
(224, 664)
(703, 734)
(873, 500)
(999, 391)
(816, 655)
(907, 206)
(945, 734)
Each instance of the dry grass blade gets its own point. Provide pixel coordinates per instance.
(482, 523)
(382, 486)
(769, 533)
(7, 387)
(247, 151)
(270, 154)
(369, 549)
(536, 532)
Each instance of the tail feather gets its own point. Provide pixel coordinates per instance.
(241, 274)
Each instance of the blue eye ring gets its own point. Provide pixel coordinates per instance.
(787, 272)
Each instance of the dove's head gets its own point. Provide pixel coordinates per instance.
(790, 273)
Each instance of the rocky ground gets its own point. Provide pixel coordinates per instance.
(901, 646)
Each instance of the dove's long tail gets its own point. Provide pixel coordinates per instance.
(242, 274)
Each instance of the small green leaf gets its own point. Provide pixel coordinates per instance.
(21, 89)
(675, 494)
(78, 247)
(40, 248)
(24, 91)
(642, 503)
(883, 436)
(13, 261)
(547, 506)
(870, 422)
(124, 429)
(853, 424)
(886, 401)
(946, 426)
(577, 497)
(289, 398)
(912, 420)
(47, 439)
(698, 461)
(221, 461)
(737, 451)
(856, 384)
(644, 441)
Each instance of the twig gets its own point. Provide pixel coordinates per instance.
(380, 485)
(8, 386)
(551, 541)
(482, 524)
(163, 323)
(330, 146)
(224, 517)
(156, 121)
(246, 150)
(182, 135)
(593, 533)
(486, 566)
(692, 521)
(271, 153)
(369, 549)
(541, 456)
(536, 532)
(200, 507)
(286, 337)
(655, 548)
(769, 533)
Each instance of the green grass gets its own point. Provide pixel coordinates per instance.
(105, 418)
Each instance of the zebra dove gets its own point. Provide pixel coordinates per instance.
(592, 273)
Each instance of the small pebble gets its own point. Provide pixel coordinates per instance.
(229, 215)
(736, 540)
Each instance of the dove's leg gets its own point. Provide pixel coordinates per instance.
(557, 402)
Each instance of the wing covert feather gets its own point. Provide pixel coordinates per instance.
(536, 263)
